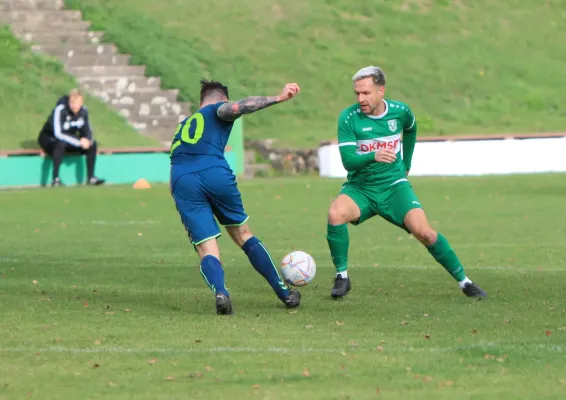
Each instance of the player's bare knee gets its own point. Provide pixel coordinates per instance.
(208, 248)
(337, 216)
(425, 234)
(239, 234)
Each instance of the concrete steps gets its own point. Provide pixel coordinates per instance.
(98, 67)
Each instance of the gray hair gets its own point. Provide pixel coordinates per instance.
(376, 73)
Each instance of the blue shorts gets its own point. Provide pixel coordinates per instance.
(201, 196)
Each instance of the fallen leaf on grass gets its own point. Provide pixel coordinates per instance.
(404, 323)
(425, 315)
(127, 310)
(152, 361)
(339, 323)
(97, 342)
(85, 304)
(377, 391)
(209, 368)
(170, 378)
(427, 336)
(445, 383)
(34, 282)
(111, 384)
(96, 365)
(198, 341)
(548, 333)
(140, 234)
(379, 349)
(427, 379)
(308, 326)
(306, 372)
(474, 331)
(255, 386)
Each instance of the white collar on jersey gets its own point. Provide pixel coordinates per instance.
(382, 114)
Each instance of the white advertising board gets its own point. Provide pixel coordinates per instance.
(470, 157)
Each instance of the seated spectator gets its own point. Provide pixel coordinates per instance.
(67, 130)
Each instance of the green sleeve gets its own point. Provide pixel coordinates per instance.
(409, 138)
(351, 160)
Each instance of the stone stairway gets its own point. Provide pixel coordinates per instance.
(98, 67)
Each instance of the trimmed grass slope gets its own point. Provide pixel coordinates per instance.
(29, 87)
(463, 67)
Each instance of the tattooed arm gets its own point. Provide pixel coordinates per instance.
(234, 109)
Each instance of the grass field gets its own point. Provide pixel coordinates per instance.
(30, 86)
(101, 298)
(464, 67)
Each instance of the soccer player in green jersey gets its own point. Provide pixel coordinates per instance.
(377, 137)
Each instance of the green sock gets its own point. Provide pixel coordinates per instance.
(445, 256)
(338, 242)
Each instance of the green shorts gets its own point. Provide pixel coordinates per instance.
(391, 202)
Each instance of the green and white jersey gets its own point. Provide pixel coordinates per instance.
(361, 135)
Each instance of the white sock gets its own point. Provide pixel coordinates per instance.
(343, 274)
(463, 283)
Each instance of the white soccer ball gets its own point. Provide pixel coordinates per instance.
(298, 268)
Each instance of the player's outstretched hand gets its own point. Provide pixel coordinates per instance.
(385, 156)
(289, 91)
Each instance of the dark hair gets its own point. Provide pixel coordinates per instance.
(209, 87)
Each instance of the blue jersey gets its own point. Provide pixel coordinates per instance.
(200, 141)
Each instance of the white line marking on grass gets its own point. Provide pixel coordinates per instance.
(123, 350)
(512, 347)
(506, 268)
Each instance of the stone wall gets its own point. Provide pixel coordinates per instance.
(286, 160)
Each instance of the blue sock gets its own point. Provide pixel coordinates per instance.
(262, 262)
(213, 273)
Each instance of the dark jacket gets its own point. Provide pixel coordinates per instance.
(63, 125)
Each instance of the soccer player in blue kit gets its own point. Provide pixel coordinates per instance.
(204, 187)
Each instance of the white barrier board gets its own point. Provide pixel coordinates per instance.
(473, 157)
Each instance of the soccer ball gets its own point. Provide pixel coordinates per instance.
(298, 268)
